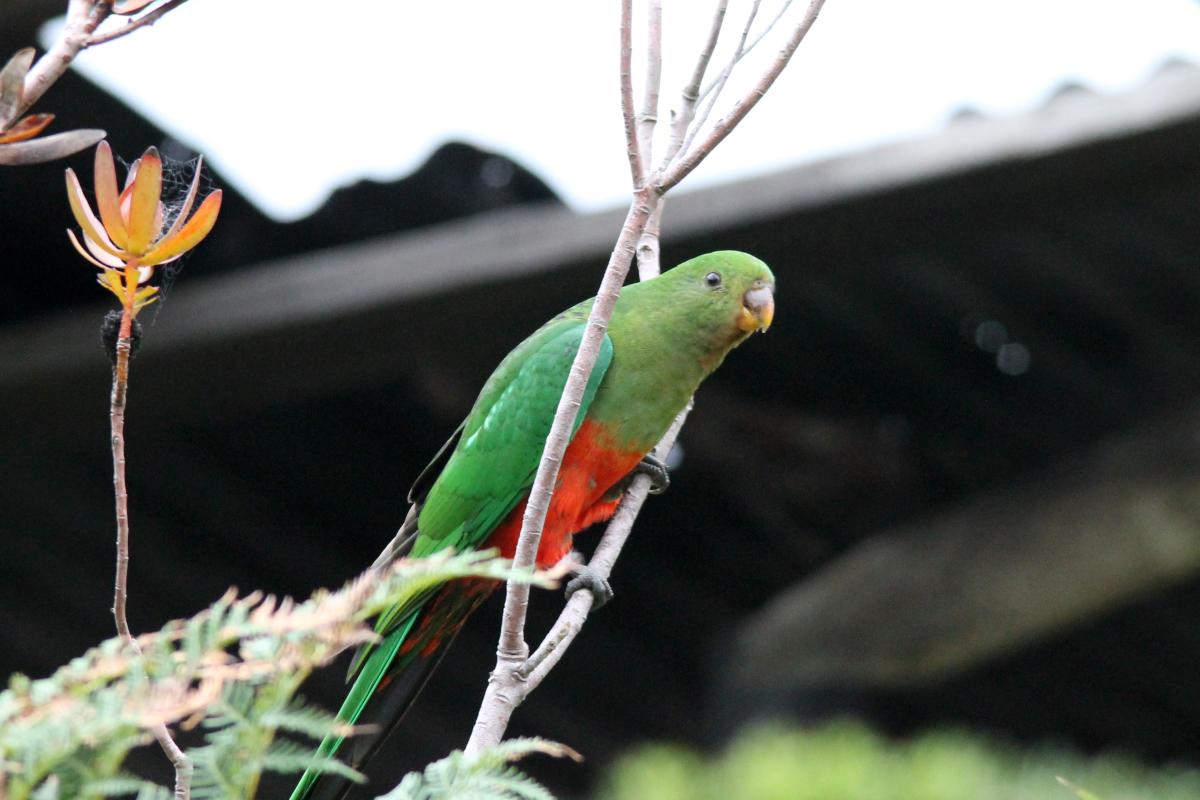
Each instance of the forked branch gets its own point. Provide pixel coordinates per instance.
(517, 673)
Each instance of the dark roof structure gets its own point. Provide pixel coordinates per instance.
(954, 483)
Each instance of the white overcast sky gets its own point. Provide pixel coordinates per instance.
(290, 104)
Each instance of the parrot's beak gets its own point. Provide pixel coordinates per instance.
(758, 309)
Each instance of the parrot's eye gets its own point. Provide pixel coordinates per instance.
(713, 279)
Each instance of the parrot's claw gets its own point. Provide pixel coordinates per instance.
(660, 479)
(588, 578)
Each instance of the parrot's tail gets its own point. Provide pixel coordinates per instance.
(388, 678)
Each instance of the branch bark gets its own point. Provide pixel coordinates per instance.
(120, 390)
(648, 117)
(632, 149)
(708, 97)
(573, 615)
(83, 18)
(682, 118)
(145, 20)
(682, 168)
(504, 692)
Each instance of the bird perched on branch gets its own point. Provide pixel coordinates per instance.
(666, 335)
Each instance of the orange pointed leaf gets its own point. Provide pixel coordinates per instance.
(91, 226)
(79, 249)
(27, 128)
(143, 206)
(190, 235)
(111, 280)
(107, 197)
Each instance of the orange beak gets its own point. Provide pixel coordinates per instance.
(758, 309)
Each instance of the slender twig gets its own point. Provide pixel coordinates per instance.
(120, 390)
(147, 19)
(745, 50)
(682, 118)
(632, 149)
(648, 244)
(707, 100)
(648, 117)
(682, 168)
(116, 417)
(648, 249)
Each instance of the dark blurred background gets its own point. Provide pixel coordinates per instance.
(959, 481)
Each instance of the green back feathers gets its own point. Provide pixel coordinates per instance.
(497, 456)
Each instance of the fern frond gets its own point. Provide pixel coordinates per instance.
(488, 775)
(236, 667)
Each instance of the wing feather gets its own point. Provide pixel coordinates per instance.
(496, 457)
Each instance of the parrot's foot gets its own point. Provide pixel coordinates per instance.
(660, 479)
(588, 578)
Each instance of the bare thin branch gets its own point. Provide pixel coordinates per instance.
(708, 102)
(179, 760)
(145, 20)
(648, 117)
(693, 157)
(744, 49)
(682, 118)
(570, 620)
(633, 151)
(83, 17)
(648, 249)
(503, 693)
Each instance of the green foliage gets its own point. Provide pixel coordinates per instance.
(846, 761)
(488, 775)
(234, 668)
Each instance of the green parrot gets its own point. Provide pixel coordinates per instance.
(666, 335)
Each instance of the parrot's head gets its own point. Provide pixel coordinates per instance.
(727, 294)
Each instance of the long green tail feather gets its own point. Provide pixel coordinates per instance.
(374, 670)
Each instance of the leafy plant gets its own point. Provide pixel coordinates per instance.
(234, 669)
(487, 775)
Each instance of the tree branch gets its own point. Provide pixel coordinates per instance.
(83, 17)
(709, 97)
(132, 25)
(692, 158)
(682, 118)
(503, 694)
(648, 243)
(648, 117)
(636, 169)
(573, 615)
(743, 51)
(120, 389)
